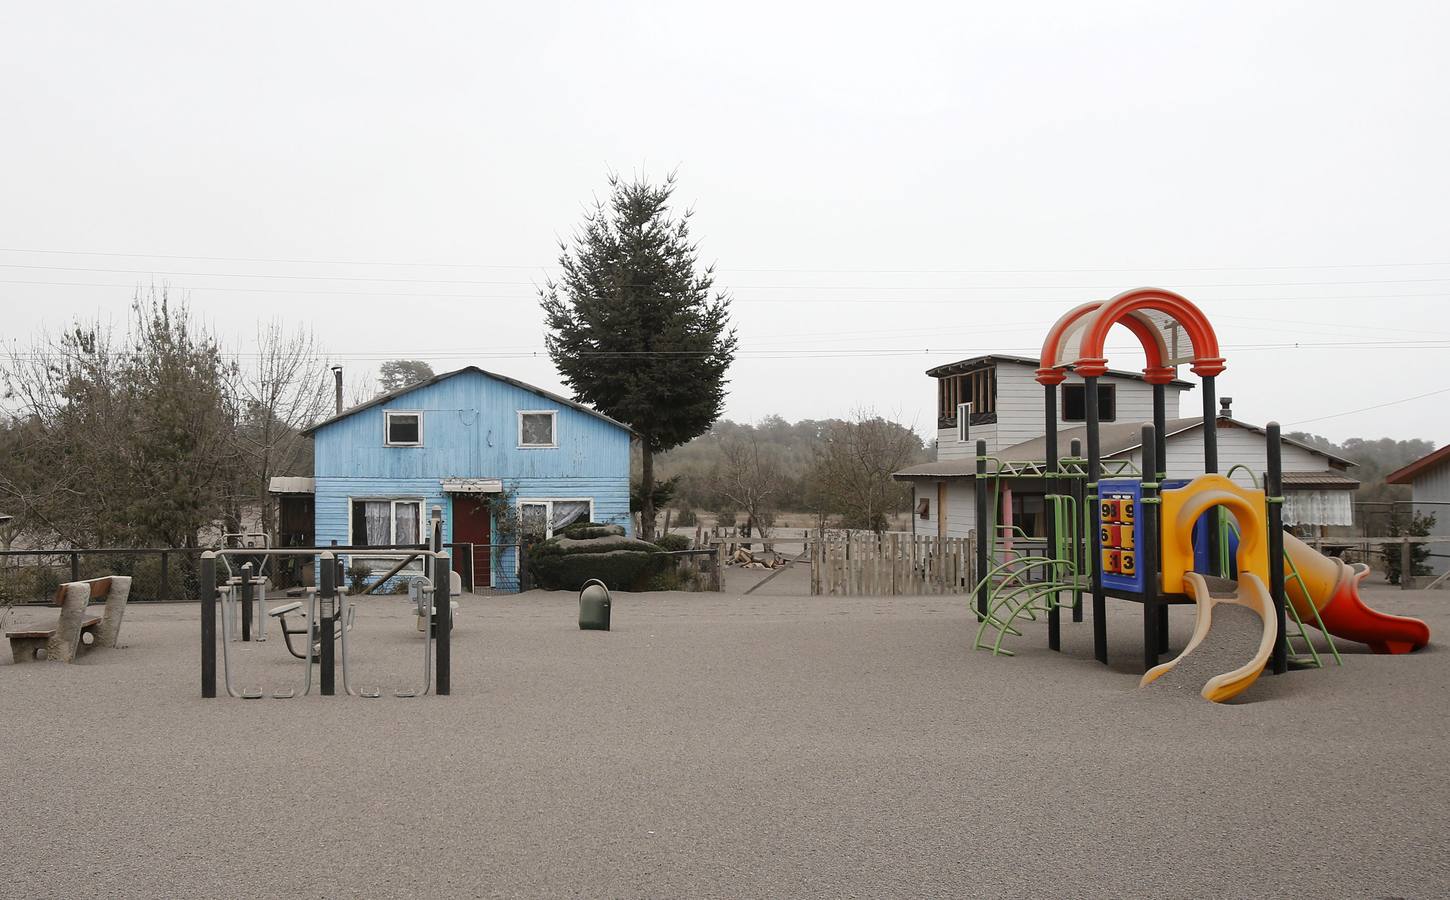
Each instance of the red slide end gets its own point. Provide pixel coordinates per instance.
(1346, 616)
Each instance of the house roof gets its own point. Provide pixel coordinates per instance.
(1407, 474)
(1328, 480)
(393, 395)
(292, 484)
(1114, 439)
(976, 362)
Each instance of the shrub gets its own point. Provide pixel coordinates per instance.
(590, 550)
(673, 542)
(583, 531)
(687, 518)
(357, 577)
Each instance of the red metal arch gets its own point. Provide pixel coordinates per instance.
(1120, 310)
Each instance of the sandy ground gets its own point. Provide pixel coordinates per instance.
(713, 745)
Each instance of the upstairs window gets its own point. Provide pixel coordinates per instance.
(978, 389)
(536, 428)
(1074, 409)
(403, 429)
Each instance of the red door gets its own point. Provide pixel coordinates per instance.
(470, 526)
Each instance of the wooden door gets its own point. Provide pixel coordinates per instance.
(471, 526)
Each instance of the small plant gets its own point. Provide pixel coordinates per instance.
(686, 518)
(1413, 525)
(672, 542)
(357, 577)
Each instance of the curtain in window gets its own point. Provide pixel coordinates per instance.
(377, 515)
(567, 512)
(534, 520)
(405, 516)
(1318, 508)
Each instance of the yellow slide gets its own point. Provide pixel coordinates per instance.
(1250, 592)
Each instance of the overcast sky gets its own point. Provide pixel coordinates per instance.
(884, 187)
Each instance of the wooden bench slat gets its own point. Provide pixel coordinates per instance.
(36, 631)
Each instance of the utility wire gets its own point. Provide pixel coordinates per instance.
(861, 271)
(1350, 412)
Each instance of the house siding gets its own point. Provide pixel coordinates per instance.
(470, 430)
(1236, 446)
(1431, 491)
(1020, 414)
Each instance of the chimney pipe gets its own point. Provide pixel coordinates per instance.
(337, 378)
(1225, 407)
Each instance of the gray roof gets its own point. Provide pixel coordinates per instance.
(1114, 439)
(977, 362)
(1329, 480)
(393, 395)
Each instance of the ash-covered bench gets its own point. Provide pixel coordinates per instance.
(66, 638)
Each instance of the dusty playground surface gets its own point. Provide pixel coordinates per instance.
(713, 745)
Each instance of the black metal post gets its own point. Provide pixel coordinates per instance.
(75, 567)
(1155, 612)
(1210, 465)
(247, 589)
(984, 532)
(1051, 486)
(1274, 489)
(443, 630)
(1094, 472)
(1074, 449)
(163, 593)
(327, 602)
(207, 587)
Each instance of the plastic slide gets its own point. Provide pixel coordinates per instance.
(1333, 589)
(1251, 592)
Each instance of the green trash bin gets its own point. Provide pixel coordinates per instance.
(594, 606)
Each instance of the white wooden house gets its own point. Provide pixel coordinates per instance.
(1429, 481)
(996, 399)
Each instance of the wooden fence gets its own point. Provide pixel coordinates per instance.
(890, 564)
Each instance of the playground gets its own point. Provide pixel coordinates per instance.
(718, 745)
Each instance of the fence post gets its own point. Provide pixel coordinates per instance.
(163, 593)
(75, 567)
(1407, 566)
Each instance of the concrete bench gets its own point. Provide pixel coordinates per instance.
(66, 638)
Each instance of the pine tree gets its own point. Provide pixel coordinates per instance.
(636, 332)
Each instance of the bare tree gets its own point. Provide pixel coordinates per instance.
(750, 476)
(854, 465)
(286, 389)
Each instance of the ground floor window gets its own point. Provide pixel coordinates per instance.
(541, 519)
(379, 523)
(1027, 514)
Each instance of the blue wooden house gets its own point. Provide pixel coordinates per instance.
(473, 443)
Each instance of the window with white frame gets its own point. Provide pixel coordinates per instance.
(540, 519)
(536, 428)
(380, 523)
(402, 429)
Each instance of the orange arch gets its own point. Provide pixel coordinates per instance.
(1122, 310)
(1206, 358)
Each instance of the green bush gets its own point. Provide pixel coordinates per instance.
(673, 542)
(583, 531)
(686, 518)
(620, 570)
(357, 577)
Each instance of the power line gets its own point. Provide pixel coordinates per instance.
(861, 271)
(532, 298)
(1351, 412)
(752, 287)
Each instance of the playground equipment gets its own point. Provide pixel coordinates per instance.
(1136, 535)
(328, 616)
